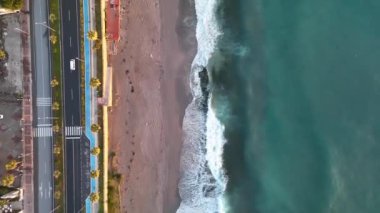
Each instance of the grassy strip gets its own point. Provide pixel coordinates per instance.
(57, 97)
(113, 187)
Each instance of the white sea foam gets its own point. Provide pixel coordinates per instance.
(214, 145)
(202, 181)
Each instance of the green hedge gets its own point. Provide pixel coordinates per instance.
(11, 4)
(57, 97)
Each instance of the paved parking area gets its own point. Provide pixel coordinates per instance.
(15, 84)
(11, 77)
(10, 130)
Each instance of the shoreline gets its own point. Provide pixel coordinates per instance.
(175, 84)
(151, 93)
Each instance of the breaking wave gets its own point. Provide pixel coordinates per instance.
(203, 181)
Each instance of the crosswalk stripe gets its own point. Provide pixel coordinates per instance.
(44, 101)
(73, 131)
(43, 132)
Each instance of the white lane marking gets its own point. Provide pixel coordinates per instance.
(72, 119)
(70, 40)
(44, 125)
(75, 137)
(73, 172)
(50, 188)
(40, 189)
(45, 167)
(69, 16)
(72, 94)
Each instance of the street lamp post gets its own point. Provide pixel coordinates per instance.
(44, 24)
(81, 208)
(20, 30)
(79, 59)
(54, 209)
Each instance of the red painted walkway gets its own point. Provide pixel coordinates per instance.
(113, 20)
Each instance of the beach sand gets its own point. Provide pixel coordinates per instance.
(151, 92)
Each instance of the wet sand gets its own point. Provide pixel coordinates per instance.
(151, 92)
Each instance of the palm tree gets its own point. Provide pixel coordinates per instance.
(94, 82)
(54, 83)
(55, 106)
(94, 197)
(4, 202)
(56, 128)
(53, 38)
(8, 180)
(3, 54)
(92, 35)
(95, 128)
(95, 173)
(57, 194)
(11, 165)
(97, 44)
(95, 151)
(57, 150)
(56, 174)
(52, 17)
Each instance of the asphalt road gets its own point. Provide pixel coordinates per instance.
(42, 121)
(72, 103)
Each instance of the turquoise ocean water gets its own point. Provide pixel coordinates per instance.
(295, 86)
